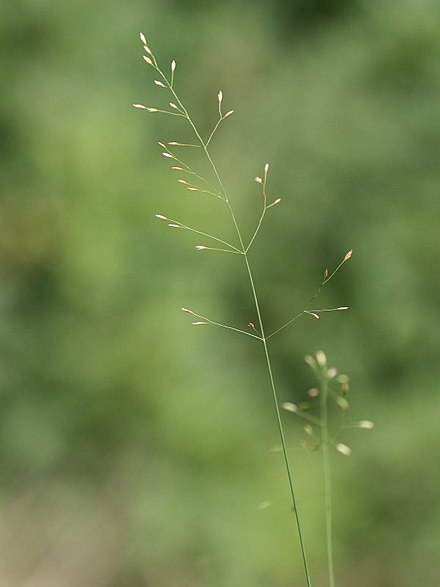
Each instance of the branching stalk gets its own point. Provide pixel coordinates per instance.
(258, 333)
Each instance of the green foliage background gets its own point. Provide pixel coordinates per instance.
(134, 449)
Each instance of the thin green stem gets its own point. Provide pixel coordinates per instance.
(327, 481)
(269, 367)
(244, 250)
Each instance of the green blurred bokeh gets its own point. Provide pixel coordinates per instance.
(135, 450)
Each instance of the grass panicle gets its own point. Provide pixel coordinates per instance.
(194, 181)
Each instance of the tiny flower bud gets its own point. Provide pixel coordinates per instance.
(173, 65)
(228, 113)
(321, 358)
(258, 180)
(158, 83)
(152, 110)
(201, 247)
(310, 361)
(342, 403)
(313, 314)
(161, 217)
(289, 407)
(220, 97)
(348, 255)
(143, 39)
(343, 449)
(147, 60)
(264, 505)
(140, 106)
(367, 424)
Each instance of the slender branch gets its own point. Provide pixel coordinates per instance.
(263, 213)
(286, 324)
(214, 323)
(178, 224)
(214, 130)
(203, 248)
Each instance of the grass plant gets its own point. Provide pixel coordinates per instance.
(195, 181)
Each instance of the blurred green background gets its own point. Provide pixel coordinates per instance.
(135, 450)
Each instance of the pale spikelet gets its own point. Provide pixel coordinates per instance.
(258, 180)
(325, 273)
(332, 372)
(143, 39)
(166, 154)
(201, 248)
(264, 505)
(191, 189)
(161, 217)
(148, 50)
(183, 181)
(228, 113)
(200, 323)
(343, 308)
(366, 424)
(147, 60)
(152, 110)
(140, 106)
(159, 83)
(343, 449)
(220, 97)
(289, 407)
(310, 361)
(173, 65)
(313, 392)
(275, 202)
(175, 168)
(173, 225)
(348, 255)
(342, 403)
(177, 144)
(312, 314)
(188, 311)
(308, 429)
(266, 168)
(173, 106)
(321, 358)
